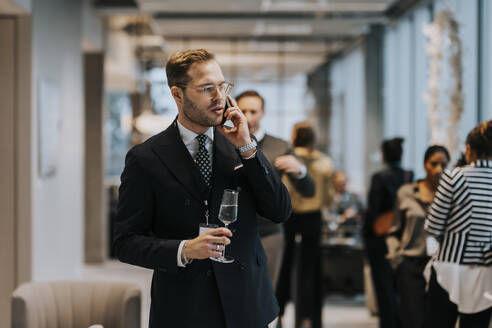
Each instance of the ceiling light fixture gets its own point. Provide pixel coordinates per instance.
(261, 28)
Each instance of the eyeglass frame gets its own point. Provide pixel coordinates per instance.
(227, 89)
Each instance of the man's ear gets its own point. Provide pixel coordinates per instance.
(178, 94)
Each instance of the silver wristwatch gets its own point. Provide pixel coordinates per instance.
(248, 147)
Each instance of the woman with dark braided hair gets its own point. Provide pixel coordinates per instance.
(460, 217)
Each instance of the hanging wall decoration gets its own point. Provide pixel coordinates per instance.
(445, 86)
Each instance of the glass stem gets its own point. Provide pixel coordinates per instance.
(223, 251)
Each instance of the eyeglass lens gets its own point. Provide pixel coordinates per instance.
(228, 88)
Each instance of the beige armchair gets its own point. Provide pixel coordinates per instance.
(76, 304)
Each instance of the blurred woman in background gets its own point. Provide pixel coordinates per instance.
(461, 218)
(306, 221)
(406, 240)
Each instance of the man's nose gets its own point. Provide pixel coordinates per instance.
(218, 94)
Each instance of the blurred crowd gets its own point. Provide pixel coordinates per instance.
(427, 241)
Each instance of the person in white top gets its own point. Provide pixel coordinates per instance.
(460, 217)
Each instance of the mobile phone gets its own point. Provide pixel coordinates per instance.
(226, 123)
(227, 105)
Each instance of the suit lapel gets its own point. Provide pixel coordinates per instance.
(175, 156)
(225, 160)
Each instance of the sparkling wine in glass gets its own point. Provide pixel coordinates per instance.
(227, 214)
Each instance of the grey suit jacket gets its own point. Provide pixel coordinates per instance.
(272, 148)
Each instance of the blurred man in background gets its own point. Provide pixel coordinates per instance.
(280, 154)
(346, 207)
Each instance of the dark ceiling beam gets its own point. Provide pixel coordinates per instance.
(109, 4)
(257, 52)
(401, 7)
(296, 38)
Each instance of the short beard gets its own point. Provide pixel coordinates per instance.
(197, 115)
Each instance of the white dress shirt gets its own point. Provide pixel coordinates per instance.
(191, 143)
(259, 134)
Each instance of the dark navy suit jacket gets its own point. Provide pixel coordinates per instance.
(162, 202)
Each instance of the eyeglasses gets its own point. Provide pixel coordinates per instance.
(208, 90)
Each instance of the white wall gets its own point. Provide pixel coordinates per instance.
(25, 5)
(487, 59)
(92, 28)
(286, 102)
(466, 13)
(120, 64)
(57, 221)
(337, 121)
(420, 137)
(398, 86)
(405, 83)
(347, 79)
(406, 74)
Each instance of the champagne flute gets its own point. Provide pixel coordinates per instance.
(227, 214)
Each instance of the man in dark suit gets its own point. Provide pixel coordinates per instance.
(281, 156)
(173, 181)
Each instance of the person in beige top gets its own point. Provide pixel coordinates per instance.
(306, 221)
(407, 249)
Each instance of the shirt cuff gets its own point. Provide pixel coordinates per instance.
(432, 245)
(301, 174)
(180, 249)
(250, 157)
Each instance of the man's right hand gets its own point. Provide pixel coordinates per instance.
(209, 244)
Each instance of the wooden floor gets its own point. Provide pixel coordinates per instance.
(338, 311)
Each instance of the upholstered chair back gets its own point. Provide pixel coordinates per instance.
(76, 304)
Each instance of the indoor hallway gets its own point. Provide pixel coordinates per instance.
(84, 80)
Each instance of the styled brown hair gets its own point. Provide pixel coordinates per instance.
(480, 140)
(251, 93)
(303, 135)
(178, 65)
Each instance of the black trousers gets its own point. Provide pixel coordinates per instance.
(410, 283)
(384, 284)
(443, 313)
(308, 286)
(203, 312)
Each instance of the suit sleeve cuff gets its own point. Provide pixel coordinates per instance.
(250, 156)
(301, 174)
(180, 249)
